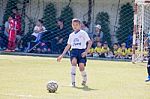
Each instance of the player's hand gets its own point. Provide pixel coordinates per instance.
(84, 54)
(59, 58)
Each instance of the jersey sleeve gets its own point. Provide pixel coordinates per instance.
(87, 38)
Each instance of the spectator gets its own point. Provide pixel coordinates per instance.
(115, 50)
(12, 34)
(60, 38)
(105, 50)
(98, 49)
(98, 35)
(130, 53)
(6, 30)
(18, 20)
(18, 26)
(123, 52)
(91, 52)
(38, 31)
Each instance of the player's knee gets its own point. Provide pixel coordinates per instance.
(81, 67)
(74, 62)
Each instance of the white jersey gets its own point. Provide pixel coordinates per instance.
(78, 40)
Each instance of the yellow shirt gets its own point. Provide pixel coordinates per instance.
(130, 51)
(115, 52)
(123, 52)
(104, 50)
(91, 50)
(98, 49)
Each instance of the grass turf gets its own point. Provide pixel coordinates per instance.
(25, 77)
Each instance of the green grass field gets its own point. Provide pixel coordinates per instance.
(25, 77)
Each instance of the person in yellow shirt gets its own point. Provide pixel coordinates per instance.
(98, 49)
(91, 51)
(129, 53)
(115, 50)
(123, 51)
(104, 50)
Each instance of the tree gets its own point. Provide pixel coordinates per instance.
(10, 5)
(125, 23)
(102, 18)
(67, 16)
(49, 16)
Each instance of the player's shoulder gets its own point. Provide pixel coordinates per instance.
(82, 31)
(71, 34)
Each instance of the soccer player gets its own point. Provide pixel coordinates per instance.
(77, 42)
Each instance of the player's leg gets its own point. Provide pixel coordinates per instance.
(148, 70)
(83, 73)
(73, 70)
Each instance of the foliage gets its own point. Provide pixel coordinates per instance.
(125, 22)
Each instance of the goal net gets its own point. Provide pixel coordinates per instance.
(141, 30)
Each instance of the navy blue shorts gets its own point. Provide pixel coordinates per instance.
(77, 53)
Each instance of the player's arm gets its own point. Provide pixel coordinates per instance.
(87, 49)
(64, 52)
(88, 46)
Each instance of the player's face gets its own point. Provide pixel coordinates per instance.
(76, 26)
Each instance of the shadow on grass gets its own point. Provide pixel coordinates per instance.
(85, 88)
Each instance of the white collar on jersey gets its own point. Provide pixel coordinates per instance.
(75, 32)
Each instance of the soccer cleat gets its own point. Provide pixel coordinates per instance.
(148, 79)
(83, 83)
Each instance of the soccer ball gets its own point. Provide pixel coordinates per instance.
(52, 86)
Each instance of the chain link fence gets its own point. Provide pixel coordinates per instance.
(108, 23)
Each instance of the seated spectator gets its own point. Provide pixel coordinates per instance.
(97, 35)
(91, 52)
(60, 38)
(123, 51)
(6, 29)
(98, 49)
(115, 50)
(105, 50)
(129, 53)
(6, 33)
(39, 29)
